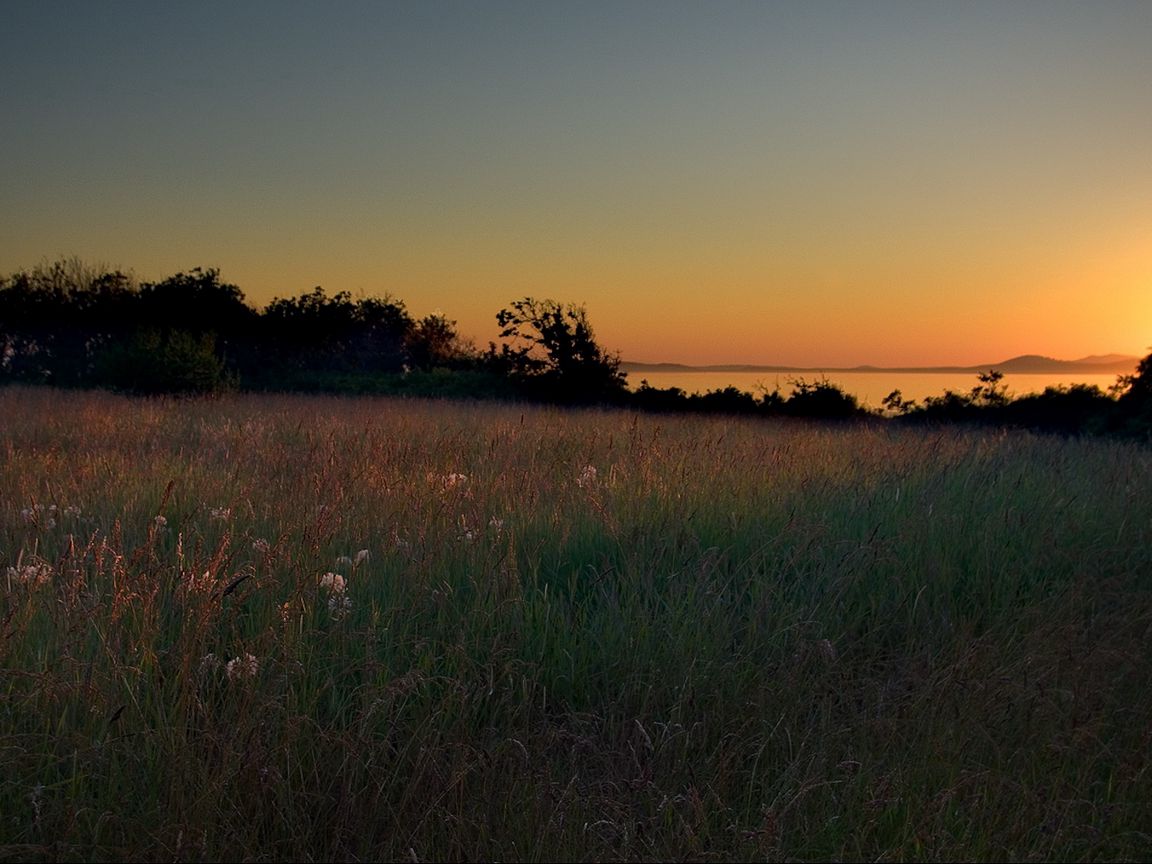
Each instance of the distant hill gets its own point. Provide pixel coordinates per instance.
(1108, 358)
(1034, 363)
(1025, 364)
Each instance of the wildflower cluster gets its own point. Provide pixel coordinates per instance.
(236, 669)
(37, 573)
(355, 562)
(339, 603)
(242, 667)
(587, 477)
(221, 514)
(40, 515)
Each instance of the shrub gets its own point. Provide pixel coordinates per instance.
(151, 362)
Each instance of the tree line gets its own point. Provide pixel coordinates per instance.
(71, 324)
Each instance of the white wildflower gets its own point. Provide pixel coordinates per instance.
(39, 515)
(261, 545)
(222, 514)
(497, 525)
(209, 663)
(339, 604)
(160, 522)
(587, 477)
(333, 583)
(242, 667)
(72, 511)
(361, 557)
(344, 560)
(38, 573)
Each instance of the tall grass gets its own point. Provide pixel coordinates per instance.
(573, 635)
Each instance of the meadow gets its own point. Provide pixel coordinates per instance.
(269, 627)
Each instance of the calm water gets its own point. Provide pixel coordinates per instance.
(869, 387)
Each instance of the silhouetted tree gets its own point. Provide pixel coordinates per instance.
(208, 311)
(1134, 408)
(196, 302)
(318, 333)
(554, 352)
(991, 392)
(897, 404)
(56, 318)
(433, 343)
(820, 400)
(382, 330)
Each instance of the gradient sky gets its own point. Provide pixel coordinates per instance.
(803, 183)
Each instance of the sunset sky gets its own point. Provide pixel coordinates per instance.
(807, 183)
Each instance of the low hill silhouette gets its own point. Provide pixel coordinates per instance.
(1024, 364)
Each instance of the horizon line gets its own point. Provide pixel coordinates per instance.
(1040, 364)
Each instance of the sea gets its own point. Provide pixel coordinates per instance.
(869, 387)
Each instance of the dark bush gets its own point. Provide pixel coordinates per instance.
(1079, 408)
(553, 354)
(820, 400)
(729, 400)
(151, 362)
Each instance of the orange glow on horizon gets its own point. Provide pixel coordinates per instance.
(777, 183)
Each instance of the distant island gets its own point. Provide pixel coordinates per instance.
(1025, 364)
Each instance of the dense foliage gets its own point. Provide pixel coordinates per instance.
(67, 323)
(71, 324)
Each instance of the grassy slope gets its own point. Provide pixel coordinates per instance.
(731, 640)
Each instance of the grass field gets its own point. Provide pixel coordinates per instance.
(288, 628)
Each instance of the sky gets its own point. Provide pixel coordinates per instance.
(802, 183)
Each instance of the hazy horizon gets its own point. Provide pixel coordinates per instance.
(1109, 359)
(803, 184)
